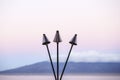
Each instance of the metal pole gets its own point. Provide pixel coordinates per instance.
(66, 62)
(57, 61)
(51, 62)
(57, 40)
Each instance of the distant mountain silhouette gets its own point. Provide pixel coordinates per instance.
(72, 67)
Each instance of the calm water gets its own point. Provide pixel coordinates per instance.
(66, 77)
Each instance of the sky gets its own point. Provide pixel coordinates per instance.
(23, 22)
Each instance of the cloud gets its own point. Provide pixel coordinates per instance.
(95, 56)
(90, 56)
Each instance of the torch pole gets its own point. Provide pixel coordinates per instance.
(66, 62)
(51, 62)
(57, 61)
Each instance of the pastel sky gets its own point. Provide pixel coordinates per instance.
(22, 23)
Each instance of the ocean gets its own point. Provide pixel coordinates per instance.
(65, 77)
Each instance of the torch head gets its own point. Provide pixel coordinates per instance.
(74, 40)
(45, 40)
(57, 38)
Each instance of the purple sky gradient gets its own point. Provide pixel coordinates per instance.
(22, 23)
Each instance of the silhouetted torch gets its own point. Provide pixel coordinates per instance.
(57, 39)
(46, 42)
(72, 42)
